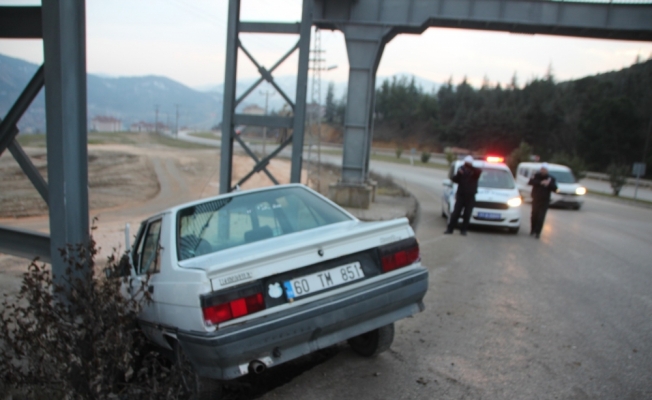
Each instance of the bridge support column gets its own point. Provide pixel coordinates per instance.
(64, 45)
(365, 45)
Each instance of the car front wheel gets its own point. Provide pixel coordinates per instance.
(372, 343)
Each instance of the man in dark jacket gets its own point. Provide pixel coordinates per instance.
(467, 186)
(542, 185)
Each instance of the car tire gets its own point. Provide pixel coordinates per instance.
(372, 343)
(514, 230)
(577, 207)
(197, 387)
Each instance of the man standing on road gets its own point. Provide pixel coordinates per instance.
(467, 186)
(542, 185)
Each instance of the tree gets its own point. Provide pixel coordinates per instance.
(575, 163)
(331, 107)
(617, 177)
(610, 131)
(522, 153)
(450, 156)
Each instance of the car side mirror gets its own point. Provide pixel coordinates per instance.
(447, 183)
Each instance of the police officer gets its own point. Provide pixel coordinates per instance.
(542, 185)
(467, 186)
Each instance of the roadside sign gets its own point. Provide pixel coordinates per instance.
(413, 151)
(638, 169)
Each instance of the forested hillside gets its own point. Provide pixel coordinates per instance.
(602, 119)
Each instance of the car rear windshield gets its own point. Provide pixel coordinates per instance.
(493, 178)
(226, 223)
(563, 176)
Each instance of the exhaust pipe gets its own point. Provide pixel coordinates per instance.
(257, 367)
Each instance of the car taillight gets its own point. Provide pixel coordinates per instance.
(399, 254)
(222, 307)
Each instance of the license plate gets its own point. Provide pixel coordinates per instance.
(323, 280)
(486, 215)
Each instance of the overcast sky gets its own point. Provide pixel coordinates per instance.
(185, 40)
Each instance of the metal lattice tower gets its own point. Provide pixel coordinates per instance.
(315, 115)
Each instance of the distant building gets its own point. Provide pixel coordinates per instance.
(103, 123)
(147, 127)
(253, 110)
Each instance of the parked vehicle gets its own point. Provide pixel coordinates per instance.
(569, 193)
(250, 280)
(497, 202)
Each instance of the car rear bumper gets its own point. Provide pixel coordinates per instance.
(225, 354)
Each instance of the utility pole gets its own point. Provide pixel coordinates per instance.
(176, 125)
(156, 119)
(266, 93)
(317, 68)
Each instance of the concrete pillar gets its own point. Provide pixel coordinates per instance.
(365, 45)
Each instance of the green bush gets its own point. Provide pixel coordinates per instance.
(425, 156)
(399, 151)
(81, 340)
(522, 153)
(617, 177)
(450, 157)
(575, 163)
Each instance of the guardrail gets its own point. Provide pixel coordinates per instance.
(630, 181)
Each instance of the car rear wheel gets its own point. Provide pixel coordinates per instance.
(198, 387)
(372, 343)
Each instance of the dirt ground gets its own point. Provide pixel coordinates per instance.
(127, 183)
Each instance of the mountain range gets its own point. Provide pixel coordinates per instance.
(134, 99)
(288, 84)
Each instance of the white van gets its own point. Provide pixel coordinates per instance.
(569, 192)
(497, 202)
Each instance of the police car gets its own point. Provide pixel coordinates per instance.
(497, 203)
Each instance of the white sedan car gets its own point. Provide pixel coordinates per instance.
(250, 280)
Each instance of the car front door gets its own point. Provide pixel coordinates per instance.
(146, 262)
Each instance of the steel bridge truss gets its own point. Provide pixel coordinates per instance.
(367, 26)
(230, 119)
(61, 25)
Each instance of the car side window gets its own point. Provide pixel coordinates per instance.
(149, 250)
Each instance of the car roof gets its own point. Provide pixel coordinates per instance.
(537, 165)
(232, 195)
(484, 164)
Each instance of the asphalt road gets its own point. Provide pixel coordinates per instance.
(568, 316)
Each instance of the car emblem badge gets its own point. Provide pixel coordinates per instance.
(275, 290)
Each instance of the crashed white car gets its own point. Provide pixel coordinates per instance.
(250, 280)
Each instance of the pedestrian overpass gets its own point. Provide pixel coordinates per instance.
(368, 25)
